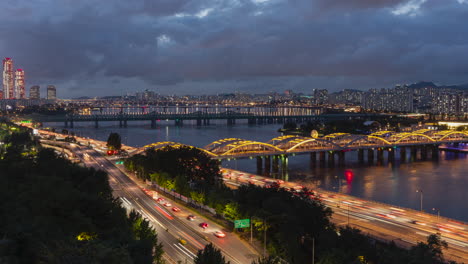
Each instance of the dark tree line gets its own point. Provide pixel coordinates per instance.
(187, 170)
(52, 211)
(293, 223)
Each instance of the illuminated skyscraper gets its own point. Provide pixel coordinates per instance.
(34, 92)
(8, 79)
(19, 84)
(51, 92)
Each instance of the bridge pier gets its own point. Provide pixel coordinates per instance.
(153, 123)
(96, 123)
(435, 152)
(179, 122)
(370, 156)
(391, 155)
(275, 166)
(380, 156)
(360, 153)
(424, 152)
(199, 122)
(322, 158)
(66, 123)
(313, 159)
(341, 158)
(125, 123)
(414, 153)
(403, 154)
(284, 167)
(331, 159)
(71, 123)
(259, 165)
(267, 165)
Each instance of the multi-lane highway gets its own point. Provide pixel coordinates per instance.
(404, 226)
(386, 222)
(181, 237)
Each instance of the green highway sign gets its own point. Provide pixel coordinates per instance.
(242, 223)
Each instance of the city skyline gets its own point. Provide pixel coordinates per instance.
(193, 47)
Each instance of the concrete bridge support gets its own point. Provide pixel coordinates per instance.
(71, 123)
(199, 122)
(179, 122)
(66, 123)
(259, 165)
(275, 166)
(403, 154)
(435, 152)
(284, 167)
(414, 152)
(125, 123)
(153, 123)
(313, 159)
(391, 155)
(267, 165)
(341, 158)
(96, 124)
(380, 156)
(424, 149)
(322, 158)
(360, 153)
(370, 156)
(331, 158)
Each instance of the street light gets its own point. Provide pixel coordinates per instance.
(421, 196)
(339, 189)
(438, 213)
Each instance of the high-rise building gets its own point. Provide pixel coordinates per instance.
(51, 92)
(19, 84)
(8, 79)
(35, 92)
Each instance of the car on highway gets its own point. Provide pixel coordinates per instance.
(203, 225)
(176, 209)
(160, 199)
(191, 217)
(220, 234)
(167, 204)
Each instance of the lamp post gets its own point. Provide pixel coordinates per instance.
(438, 213)
(421, 198)
(339, 189)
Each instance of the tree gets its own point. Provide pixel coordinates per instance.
(210, 255)
(267, 260)
(430, 252)
(114, 142)
(76, 219)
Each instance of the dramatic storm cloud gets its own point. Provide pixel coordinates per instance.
(112, 47)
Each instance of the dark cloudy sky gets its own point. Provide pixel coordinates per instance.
(113, 47)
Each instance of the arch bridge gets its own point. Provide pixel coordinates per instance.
(327, 147)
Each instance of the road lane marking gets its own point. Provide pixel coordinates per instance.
(186, 251)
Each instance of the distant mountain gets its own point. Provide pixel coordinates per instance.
(422, 85)
(431, 84)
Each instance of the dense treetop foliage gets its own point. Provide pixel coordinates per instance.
(210, 255)
(52, 211)
(114, 142)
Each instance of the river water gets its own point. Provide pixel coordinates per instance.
(443, 182)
